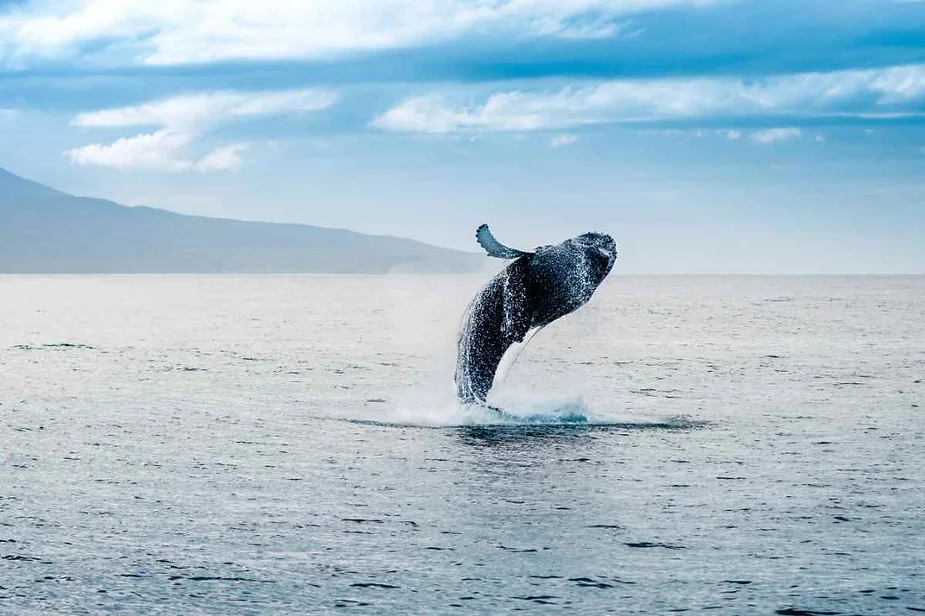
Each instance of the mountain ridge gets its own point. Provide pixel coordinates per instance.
(43, 230)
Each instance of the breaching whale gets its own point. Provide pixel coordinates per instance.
(534, 290)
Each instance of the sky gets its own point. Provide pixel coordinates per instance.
(707, 136)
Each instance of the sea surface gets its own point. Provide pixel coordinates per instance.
(291, 445)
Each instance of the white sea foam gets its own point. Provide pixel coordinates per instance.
(510, 408)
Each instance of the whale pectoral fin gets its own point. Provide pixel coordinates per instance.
(493, 247)
(518, 312)
(511, 354)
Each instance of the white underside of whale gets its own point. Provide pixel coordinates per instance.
(511, 354)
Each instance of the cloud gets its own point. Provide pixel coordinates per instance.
(771, 135)
(159, 151)
(877, 93)
(732, 134)
(8, 114)
(172, 32)
(562, 140)
(192, 111)
(227, 158)
(599, 28)
(763, 136)
(181, 120)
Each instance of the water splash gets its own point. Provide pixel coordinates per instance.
(510, 409)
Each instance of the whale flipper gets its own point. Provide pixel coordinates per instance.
(493, 247)
(511, 354)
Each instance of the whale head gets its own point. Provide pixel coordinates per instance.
(563, 277)
(601, 251)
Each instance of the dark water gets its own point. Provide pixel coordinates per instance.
(223, 445)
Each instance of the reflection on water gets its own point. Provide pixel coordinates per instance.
(504, 434)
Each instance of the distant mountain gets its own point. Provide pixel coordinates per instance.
(43, 230)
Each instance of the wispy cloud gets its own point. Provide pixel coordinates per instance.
(227, 158)
(761, 136)
(182, 120)
(559, 141)
(8, 114)
(196, 110)
(771, 135)
(732, 134)
(193, 31)
(876, 93)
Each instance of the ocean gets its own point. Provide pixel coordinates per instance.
(291, 444)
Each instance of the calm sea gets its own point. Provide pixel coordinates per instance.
(276, 445)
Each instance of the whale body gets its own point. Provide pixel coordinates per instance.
(534, 290)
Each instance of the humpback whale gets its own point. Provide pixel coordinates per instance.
(534, 290)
